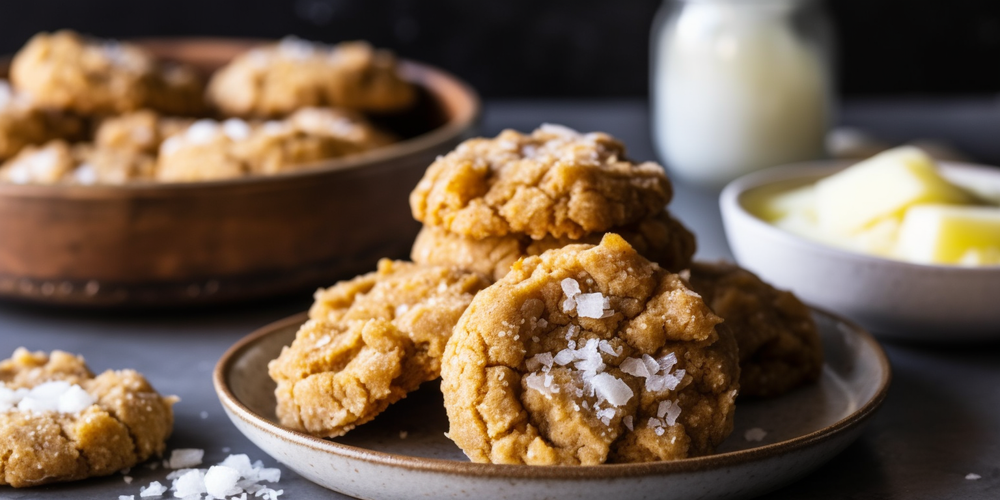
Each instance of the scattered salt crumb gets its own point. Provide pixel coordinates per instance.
(755, 434)
(403, 434)
(220, 481)
(592, 305)
(327, 339)
(203, 415)
(126, 497)
(185, 458)
(154, 489)
(128, 479)
(628, 422)
(972, 476)
(611, 389)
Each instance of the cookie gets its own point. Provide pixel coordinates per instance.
(585, 355)
(57, 162)
(553, 182)
(141, 131)
(66, 71)
(277, 79)
(23, 124)
(780, 348)
(660, 238)
(368, 343)
(58, 422)
(210, 150)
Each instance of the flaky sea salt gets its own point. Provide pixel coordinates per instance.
(189, 484)
(154, 489)
(236, 129)
(972, 476)
(220, 481)
(56, 396)
(755, 434)
(185, 458)
(628, 422)
(611, 389)
(592, 305)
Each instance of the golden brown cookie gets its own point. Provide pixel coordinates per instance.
(50, 163)
(585, 355)
(552, 182)
(277, 79)
(780, 348)
(660, 238)
(23, 124)
(210, 150)
(369, 342)
(66, 71)
(58, 422)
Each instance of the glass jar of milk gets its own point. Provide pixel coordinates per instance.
(739, 85)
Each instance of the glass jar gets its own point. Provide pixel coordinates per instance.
(739, 85)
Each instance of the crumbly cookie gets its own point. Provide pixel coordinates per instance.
(660, 238)
(780, 348)
(23, 124)
(57, 162)
(369, 342)
(208, 150)
(585, 355)
(75, 425)
(277, 79)
(552, 182)
(64, 70)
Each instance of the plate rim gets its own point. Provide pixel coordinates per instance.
(596, 472)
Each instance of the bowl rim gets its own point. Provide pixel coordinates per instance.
(431, 78)
(605, 471)
(734, 212)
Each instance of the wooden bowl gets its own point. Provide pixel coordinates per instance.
(149, 244)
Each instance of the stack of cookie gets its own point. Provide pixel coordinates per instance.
(598, 339)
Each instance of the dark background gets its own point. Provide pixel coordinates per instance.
(554, 48)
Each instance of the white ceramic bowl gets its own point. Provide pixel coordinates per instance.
(890, 298)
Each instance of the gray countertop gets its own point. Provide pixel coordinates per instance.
(936, 425)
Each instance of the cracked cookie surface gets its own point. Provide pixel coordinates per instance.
(120, 422)
(553, 182)
(660, 238)
(780, 348)
(586, 355)
(368, 343)
(277, 79)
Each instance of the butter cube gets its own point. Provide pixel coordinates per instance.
(880, 187)
(949, 234)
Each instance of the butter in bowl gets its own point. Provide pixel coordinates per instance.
(905, 246)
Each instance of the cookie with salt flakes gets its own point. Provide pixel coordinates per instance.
(58, 422)
(586, 355)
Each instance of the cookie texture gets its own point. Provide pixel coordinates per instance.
(586, 355)
(780, 348)
(126, 422)
(659, 238)
(553, 182)
(277, 79)
(210, 150)
(368, 343)
(67, 71)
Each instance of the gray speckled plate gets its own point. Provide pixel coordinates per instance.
(404, 453)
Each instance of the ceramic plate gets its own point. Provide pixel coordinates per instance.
(404, 454)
